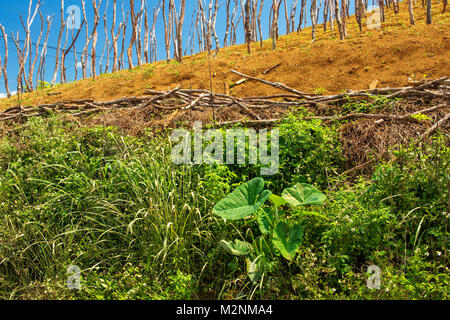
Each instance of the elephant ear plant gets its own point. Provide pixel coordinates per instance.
(278, 229)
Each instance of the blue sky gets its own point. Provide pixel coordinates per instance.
(9, 18)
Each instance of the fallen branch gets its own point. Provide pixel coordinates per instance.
(161, 96)
(436, 126)
(240, 81)
(247, 122)
(251, 113)
(272, 68)
(274, 84)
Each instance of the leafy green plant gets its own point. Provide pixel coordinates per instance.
(421, 117)
(44, 84)
(319, 91)
(180, 286)
(309, 152)
(141, 227)
(283, 233)
(94, 197)
(243, 201)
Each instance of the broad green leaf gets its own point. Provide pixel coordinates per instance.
(303, 194)
(243, 201)
(255, 268)
(233, 265)
(238, 248)
(287, 238)
(265, 220)
(277, 200)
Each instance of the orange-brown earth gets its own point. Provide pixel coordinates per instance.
(390, 55)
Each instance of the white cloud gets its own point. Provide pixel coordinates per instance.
(4, 95)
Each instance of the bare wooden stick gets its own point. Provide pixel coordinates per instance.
(61, 30)
(5, 61)
(247, 110)
(274, 84)
(163, 95)
(247, 122)
(272, 68)
(436, 125)
(64, 54)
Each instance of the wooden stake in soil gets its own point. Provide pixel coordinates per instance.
(211, 88)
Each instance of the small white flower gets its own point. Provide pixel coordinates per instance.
(439, 253)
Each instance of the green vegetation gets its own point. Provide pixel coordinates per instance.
(141, 227)
(43, 85)
(285, 232)
(319, 91)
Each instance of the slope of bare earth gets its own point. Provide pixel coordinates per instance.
(392, 54)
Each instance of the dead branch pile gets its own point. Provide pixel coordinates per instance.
(199, 100)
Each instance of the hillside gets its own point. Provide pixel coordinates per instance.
(95, 203)
(392, 55)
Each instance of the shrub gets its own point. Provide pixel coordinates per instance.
(415, 184)
(308, 152)
(91, 196)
